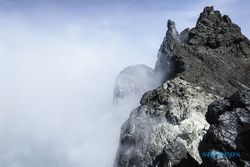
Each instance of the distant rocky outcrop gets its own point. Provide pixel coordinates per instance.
(196, 67)
(133, 82)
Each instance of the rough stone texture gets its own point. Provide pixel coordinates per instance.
(209, 61)
(170, 120)
(229, 131)
(164, 65)
(214, 54)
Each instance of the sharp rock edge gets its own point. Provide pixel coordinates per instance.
(197, 66)
(229, 131)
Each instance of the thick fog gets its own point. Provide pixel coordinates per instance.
(58, 66)
(57, 89)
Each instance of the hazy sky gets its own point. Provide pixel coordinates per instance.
(58, 63)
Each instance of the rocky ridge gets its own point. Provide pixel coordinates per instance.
(202, 64)
(214, 54)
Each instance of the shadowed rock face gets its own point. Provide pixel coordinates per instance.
(214, 54)
(202, 64)
(164, 65)
(229, 131)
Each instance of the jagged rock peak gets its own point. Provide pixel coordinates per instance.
(172, 37)
(163, 66)
(210, 61)
(214, 54)
(214, 30)
(209, 13)
(171, 24)
(171, 27)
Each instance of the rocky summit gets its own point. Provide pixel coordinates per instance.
(194, 118)
(214, 54)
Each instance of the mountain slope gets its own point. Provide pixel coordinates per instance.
(198, 66)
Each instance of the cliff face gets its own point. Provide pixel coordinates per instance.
(196, 67)
(214, 54)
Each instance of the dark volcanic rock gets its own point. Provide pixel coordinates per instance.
(207, 62)
(229, 132)
(214, 30)
(164, 65)
(214, 54)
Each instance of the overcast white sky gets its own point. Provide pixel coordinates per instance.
(58, 63)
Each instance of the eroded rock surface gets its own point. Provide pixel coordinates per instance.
(229, 131)
(172, 115)
(201, 64)
(164, 64)
(214, 54)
